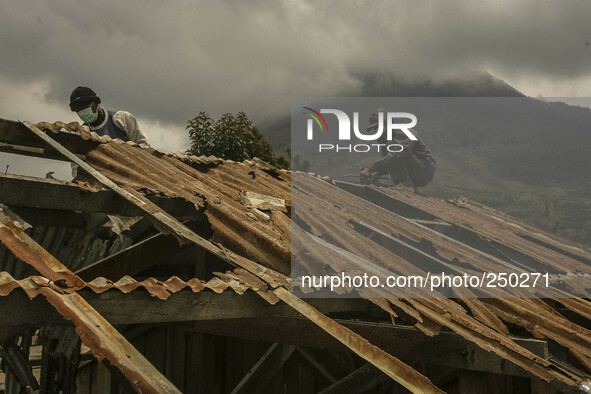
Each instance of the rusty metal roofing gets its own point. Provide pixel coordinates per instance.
(315, 195)
(500, 227)
(254, 243)
(332, 213)
(217, 189)
(85, 133)
(25, 249)
(94, 331)
(249, 240)
(157, 288)
(105, 341)
(75, 247)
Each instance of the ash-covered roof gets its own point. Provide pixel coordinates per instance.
(258, 247)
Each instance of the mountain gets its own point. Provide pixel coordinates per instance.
(527, 157)
(277, 130)
(477, 85)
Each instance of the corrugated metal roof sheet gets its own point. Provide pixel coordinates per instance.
(217, 189)
(86, 134)
(315, 195)
(330, 212)
(157, 288)
(500, 227)
(105, 341)
(218, 185)
(96, 332)
(74, 247)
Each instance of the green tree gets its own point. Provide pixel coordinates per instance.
(233, 137)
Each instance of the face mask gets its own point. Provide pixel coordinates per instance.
(87, 115)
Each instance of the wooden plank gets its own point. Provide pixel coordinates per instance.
(26, 313)
(16, 133)
(16, 149)
(242, 385)
(359, 381)
(292, 382)
(407, 343)
(83, 379)
(51, 217)
(118, 381)
(176, 349)
(25, 191)
(473, 382)
(276, 364)
(540, 387)
(134, 259)
(103, 379)
(318, 366)
(393, 367)
(195, 360)
(156, 347)
(139, 307)
(337, 363)
(211, 366)
(54, 194)
(248, 316)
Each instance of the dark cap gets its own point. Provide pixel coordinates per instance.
(81, 97)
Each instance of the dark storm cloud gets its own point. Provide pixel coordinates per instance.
(426, 37)
(168, 60)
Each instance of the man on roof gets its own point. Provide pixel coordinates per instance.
(116, 124)
(412, 167)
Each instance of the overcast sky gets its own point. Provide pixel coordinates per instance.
(165, 61)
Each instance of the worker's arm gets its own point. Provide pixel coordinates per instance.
(381, 166)
(129, 124)
(398, 137)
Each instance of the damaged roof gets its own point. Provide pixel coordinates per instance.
(156, 288)
(259, 248)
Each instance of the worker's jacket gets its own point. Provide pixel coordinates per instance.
(414, 155)
(121, 125)
(118, 124)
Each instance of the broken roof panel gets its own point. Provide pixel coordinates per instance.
(263, 247)
(340, 217)
(105, 341)
(495, 225)
(218, 189)
(157, 288)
